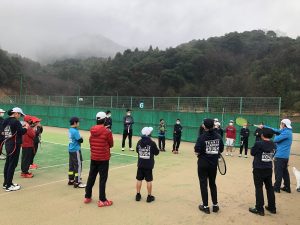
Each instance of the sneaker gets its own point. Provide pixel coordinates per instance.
(71, 182)
(33, 167)
(123, 149)
(2, 157)
(4, 185)
(150, 198)
(273, 211)
(138, 197)
(87, 200)
(13, 188)
(227, 154)
(255, 211)
(216, 208)
(276, 190)
(245, 156)
(27, 175)
(288, 190)
(131, 149)
(105, 203)
(79, 185)
(204, 209)
(240, 155)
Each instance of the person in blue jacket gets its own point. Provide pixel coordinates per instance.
(283, 141)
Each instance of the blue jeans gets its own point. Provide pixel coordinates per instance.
(281, 172)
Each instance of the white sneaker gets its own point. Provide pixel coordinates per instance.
(4, 186)
(13, 188)
(80, 185)
(240, 155)
(2, 157)
(123, 149)
(227, 154)
(131, 149)
(245, 156)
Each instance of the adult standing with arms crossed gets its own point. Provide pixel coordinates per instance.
(283, 141)
(208, 147)
(128, 122)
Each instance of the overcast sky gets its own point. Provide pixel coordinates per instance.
(27, 24)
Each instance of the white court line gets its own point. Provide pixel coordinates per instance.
(55, 143)
(58, 181)
(57, 165)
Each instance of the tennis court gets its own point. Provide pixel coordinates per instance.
(47, 199)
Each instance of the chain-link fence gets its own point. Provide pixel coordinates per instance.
(240, 105)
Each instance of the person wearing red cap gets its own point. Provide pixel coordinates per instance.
(38, 128)
(27, 148)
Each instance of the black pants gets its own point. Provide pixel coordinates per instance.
(176, 142)
(27, 154)
(281, 172)
(261, 177)
(12, 159)
(96, 167)
(75, 166)
(161, 142)
(36, 146)
(244, 145)
(207, 171)
(125, 134)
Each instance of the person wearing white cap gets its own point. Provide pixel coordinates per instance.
(283, 141)
(146, 149)
(2, 157)
(13, 132)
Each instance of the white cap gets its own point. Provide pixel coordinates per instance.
(231, 121)
(216, 119)
(287, 122)
(100, 115)
(147, 131)
(2, 111)
(18, 110)
(217, 124)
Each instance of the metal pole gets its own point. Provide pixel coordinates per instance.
(93, 101)
(111, 101)
(153, 103)
(279, 107)
(49, 100)
(131, 102)
(207, 98)
(178, 102)
(21, 86)
(241, 105)
(62, 100)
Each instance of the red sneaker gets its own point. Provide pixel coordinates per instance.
(105, 203)
(23, 174)
(27, 175)
(87, 200)
(32, 167)
(35, 165)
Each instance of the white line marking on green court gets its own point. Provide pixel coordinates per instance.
(55, 143)
(58, 181)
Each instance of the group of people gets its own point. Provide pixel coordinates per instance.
(15, 136)
(265, 151)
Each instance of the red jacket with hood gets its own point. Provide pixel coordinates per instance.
(101, 140)
(28, 137)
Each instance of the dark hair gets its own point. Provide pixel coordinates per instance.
(107, 112)
(128, 110)
(161, 120)
(9, 112)
(74, 120)
(101, 121)
(178, 119)
(267, 132)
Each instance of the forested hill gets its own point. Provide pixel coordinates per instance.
(254, 63)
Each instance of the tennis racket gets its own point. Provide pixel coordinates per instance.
(222, 165)
(240, 121)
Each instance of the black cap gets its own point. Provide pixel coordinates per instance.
(208, 123)
(74, 119)
(267, 132)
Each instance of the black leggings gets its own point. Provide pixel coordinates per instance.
(176, 142)
(125, 134)
(12, 159)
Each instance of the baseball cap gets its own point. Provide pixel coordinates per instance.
(209, 123)
(18, 110)
(100, 115)
(216, 119)
(2, 111)
(287, 122)
(147, 131)
(217, 124)
(74, 119)
(35, 119)
(27, 118)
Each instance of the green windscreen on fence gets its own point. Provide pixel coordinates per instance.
(58, 116)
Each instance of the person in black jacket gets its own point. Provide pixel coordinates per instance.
(244, 135)
(13, 132)
(2, 157)
(263, 152)
(146, 149)
(208, 147)
(128, 122)
(177, 136)
(108, 120)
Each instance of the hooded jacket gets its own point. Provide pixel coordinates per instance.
(28, 138)
(101, 140)
(146, 148)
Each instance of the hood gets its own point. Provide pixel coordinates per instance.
(97, 130)
(146, 140)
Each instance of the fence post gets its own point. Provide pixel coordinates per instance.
(37, 97)
(49, 100)
(153, 103)
(111, 101)
(178, 103)
(62, 100)
(207, 100)
(93, 101)
(241, 104)
(131, 102)
(279, 106)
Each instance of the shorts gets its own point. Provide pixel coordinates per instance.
(229, 141)
(144, 174)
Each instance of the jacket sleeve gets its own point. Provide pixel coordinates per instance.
(274, 129)
(20, 129)
(254, 149)
(155, 149)
(279, 138)
(31, 133)
(110, 139)
(199, 146)
(221, 147)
